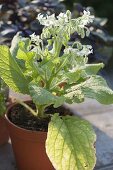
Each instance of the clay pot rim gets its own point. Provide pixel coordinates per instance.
(16, 126)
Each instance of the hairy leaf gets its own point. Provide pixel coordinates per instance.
(97, 88)
(26, 56)
(15, 44)
(19, 49)
(41, 96)
(91, 69)
(11, 73)
(73, 76)
(75, 96)
(70, 143)
(94, 87)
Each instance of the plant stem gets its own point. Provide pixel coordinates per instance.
(57, 45)
(40, 111)
(27, 107)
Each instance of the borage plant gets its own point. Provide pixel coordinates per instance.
(52, 72)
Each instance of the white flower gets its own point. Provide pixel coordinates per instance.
(62, 18)
(86, 19)
(54, 21)
(85, 51)
(48, 20)
(87, 13)
(35, 38)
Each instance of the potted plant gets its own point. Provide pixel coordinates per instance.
(52, 72)
(3, 97)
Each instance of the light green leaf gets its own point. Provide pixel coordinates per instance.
(73, 77)
(97, 88)
(17, 42)
(92, 69)
(25, 43)
(94, 87)
(11, 73)
(70, 143)
(19, 49)
(24, 55)
(75, 96)
(14, 44)
(21, 54)
(41, 96)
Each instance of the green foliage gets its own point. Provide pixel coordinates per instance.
(52, 71)
(11, 73)
(95, 87)
(69, 143)
(43, 97)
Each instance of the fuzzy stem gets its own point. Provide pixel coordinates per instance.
(27, 107)
(57, 45)
(40, 111)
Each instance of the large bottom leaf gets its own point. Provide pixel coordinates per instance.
(70, 143)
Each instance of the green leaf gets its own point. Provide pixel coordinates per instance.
(70, 143)
(25, 44)
(11, 73)
(17, 42)
(94, 87)
(24, 55)
(14, 44)
(41, 96)
(19, 49)
(92, 69)
(73, 77)
(97, 88)
(75, 96)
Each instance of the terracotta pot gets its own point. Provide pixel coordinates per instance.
(28, 147)
(3, 132)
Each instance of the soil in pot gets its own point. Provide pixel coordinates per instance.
(21, 117)
(28, 135)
